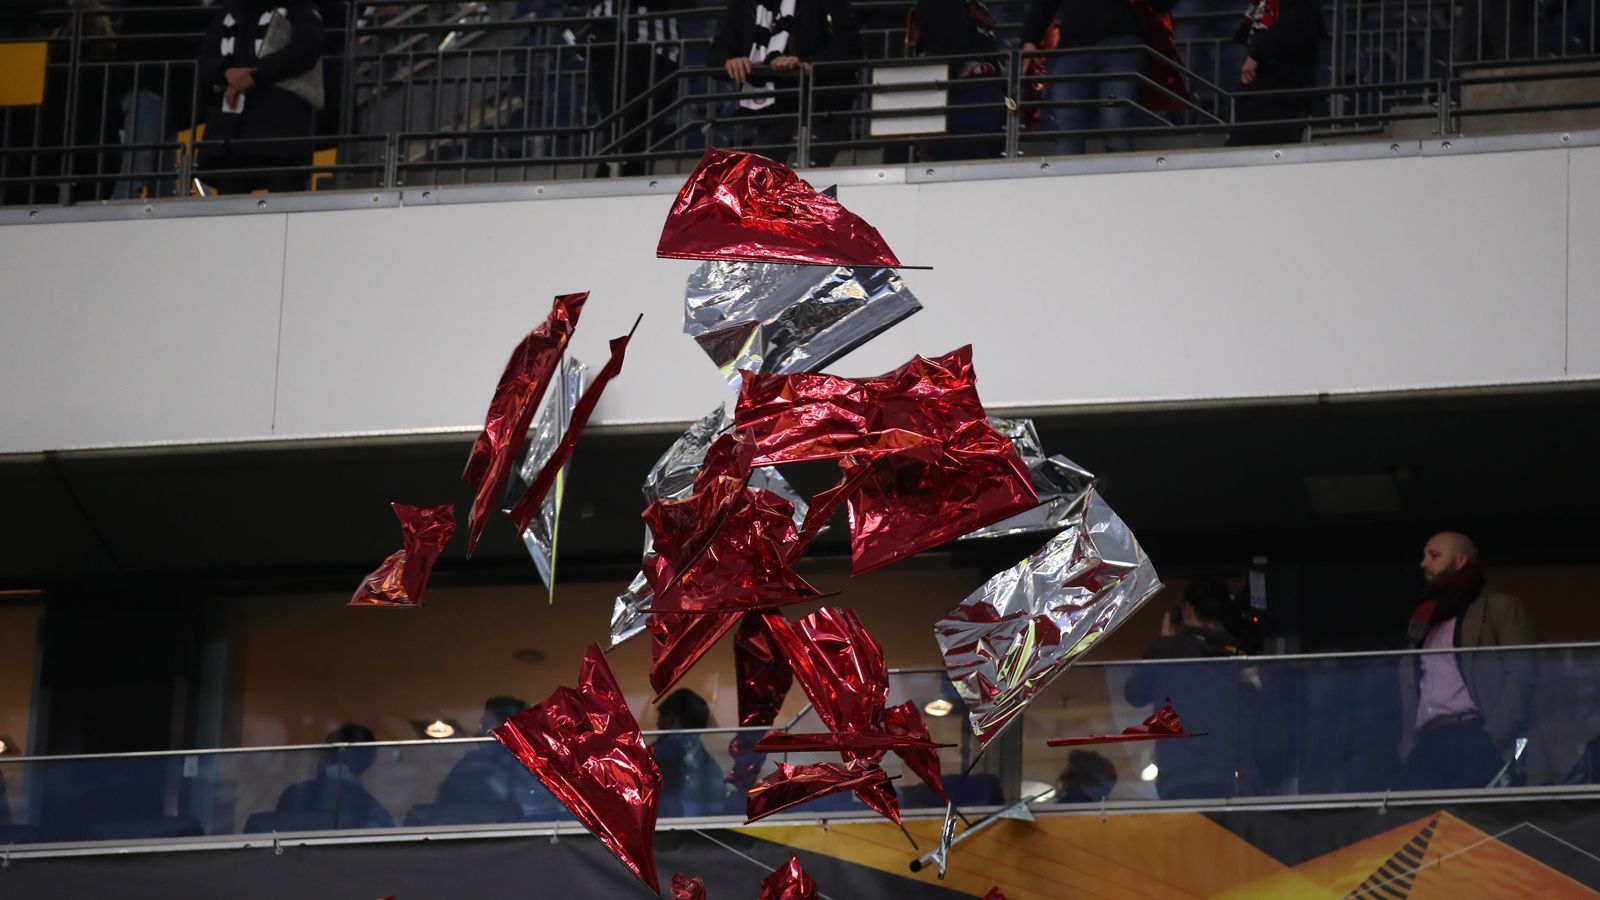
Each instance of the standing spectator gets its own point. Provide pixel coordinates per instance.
(489, 774)
(262, 65)
(153, 82)
(1282, 37)
(1105, 86)
(954, 28)
(337, 790)
(691, 781)
(1212, 696)
(787, 37)
(1461, 713)
(649, 82)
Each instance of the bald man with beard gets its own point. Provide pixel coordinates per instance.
(1462, 712)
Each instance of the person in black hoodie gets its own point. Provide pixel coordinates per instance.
(787, 36)
(256, 95)
(1282, 37)
(1209, 695)
(1114, 31)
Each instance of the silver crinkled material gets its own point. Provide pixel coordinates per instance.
(1026, 625)
(1059, 482)
(549, 424)
(780, 318)
(672, 478)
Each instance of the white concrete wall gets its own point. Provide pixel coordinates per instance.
(1211, 282)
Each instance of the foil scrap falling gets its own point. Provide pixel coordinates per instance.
(1059, 482)
(793, 785)
(929, 466)
(586, 746)
(401, 579)
(548, 426)
(737, 205)
(1011, 637)
(1163, 724)
(788, 882)
(775, 318)
(516, 398)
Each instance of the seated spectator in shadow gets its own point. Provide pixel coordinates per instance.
(1212, 697)
(1282, 38)
(691, 781)
(1088, 778)
(785, 37)
(262, 74)
(953, 28)
(337, 790)
(489, 773)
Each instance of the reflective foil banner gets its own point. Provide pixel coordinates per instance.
(738, 205)
(688, 887)
(401, 579)
(1010, 638)
(516, 398)
(586, 747)
(1160, 725)
(793, 785)
(788, 882)
(764, 682)
(548, 427)
(778, 318)
(934, 468)
(1059, 482)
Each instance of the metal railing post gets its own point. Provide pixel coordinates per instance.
(391, 160)
(803, 131)
(1014, 104)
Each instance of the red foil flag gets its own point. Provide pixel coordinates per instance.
(737, 205)
(793, 785)
(922, 464)
(516, 399)
(401, 578)
(764, 681)
(688, 887)
(789, 882)
(1161, 725)
(678, 640)
(904, 722)
(527, 506)
(841, 741)
(994, 894)
(586, 747)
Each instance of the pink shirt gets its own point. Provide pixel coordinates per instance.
(1442, 692)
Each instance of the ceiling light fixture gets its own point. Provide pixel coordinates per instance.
(439, 729)
(939, 707)
(1149, 773)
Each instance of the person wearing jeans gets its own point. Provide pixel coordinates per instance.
(144, 121)
(1107, 37)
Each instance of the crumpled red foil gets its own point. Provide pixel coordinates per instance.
(516, 398)
(994, 894)
(922, 464)
(401, 578)
(793, 785)
(527, 506)
(687, 887)
(764, 682)
(839, 741)
(737, 205)
(789, 882)
(678, 640)
(904, 722)
(1160, 725)
(586, 747)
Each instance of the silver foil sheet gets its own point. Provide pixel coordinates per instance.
(549, 424)
(672, 478)
(1013, 636)
(1059, 482)
(779, 318)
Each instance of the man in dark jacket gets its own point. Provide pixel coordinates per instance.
(691, 781)
(785, 38)
(1212, 696)
(1109, 38)
(1462, 712)
(1282, 37)
(260, 112)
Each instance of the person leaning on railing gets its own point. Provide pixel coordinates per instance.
(262, 64)
(789, 36)
(1461, 713)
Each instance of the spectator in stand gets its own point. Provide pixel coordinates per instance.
(650, 83)
(1104, 92)
(1461, 713)
(691, 781)
(337, 789)
(1088, 778)
(1209, 695)
(490, 774)
(1282, 38)
(263, 70)
(776, 41)
(153, 90)
(956, 28)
